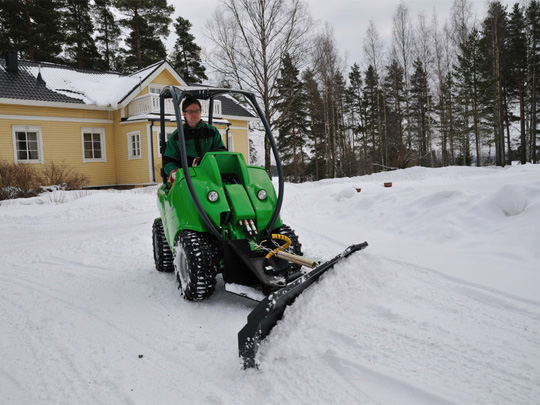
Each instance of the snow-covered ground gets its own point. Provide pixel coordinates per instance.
(442, 307)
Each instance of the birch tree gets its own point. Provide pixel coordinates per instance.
(250, 40)
(374, 51)
(424, 53)
(403, 49)
(328, 66)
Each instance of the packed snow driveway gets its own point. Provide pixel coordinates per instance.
(87, 319)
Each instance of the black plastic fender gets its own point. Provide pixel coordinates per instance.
(270, 310)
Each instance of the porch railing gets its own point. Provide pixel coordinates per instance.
(149, 103)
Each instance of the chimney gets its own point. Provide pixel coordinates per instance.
(12, 62)
(40, 79)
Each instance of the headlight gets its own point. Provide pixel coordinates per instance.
(213, 196)
(261, 195)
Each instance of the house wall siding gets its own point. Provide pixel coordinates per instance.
(134, 171)
(239, 130)
(165, 78)
(137, 171)
(61, 137)
(155, 145)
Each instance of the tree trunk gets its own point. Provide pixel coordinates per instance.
(138, 40)
(31, 51)
(523, 138)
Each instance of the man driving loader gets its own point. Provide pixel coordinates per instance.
(200, 138)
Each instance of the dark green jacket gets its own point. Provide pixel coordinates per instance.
(199, 140)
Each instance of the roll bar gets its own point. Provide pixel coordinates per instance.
(178, 94)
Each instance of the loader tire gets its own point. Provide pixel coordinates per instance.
(163, 257)
(195, 265)
(296, 246)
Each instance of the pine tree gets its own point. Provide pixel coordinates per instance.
(32, 28)
(474, 96)
(448, 125)
(80, 44)
(420, 102)
(442, 112)
(371, 101)
(315, 115)
(494, 32)
(532, 15)
(151, 48)
(396, 155)
(107, 34)
(342, 143)
(292, 123)
(146, 21)
(186, 57)
(517, 72)
(12, 23)
(356, 121)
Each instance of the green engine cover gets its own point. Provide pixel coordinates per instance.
(237, 186)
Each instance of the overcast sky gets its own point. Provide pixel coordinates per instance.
(348, 18)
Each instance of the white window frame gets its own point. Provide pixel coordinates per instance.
(134, 137)
(230, 142)
(155, 88)
(101, 133)
(168, 133)
(39, 139)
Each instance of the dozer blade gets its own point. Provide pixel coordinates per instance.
(270, 310)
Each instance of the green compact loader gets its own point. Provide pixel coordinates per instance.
(222, 216)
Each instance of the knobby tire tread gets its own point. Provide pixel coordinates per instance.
(163, 257)
(202, 265)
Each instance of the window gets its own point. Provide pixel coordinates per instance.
(27, 144)
(155, 88)
(230, 142)
(168, 133)
(134, 145)
(93, 142)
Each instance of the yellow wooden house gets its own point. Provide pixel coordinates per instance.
(105, 125)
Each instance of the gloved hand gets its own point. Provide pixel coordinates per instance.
(172, 177)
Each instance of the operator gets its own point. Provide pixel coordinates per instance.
(199, 136)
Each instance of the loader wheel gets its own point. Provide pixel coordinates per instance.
(195, 265)
(162, 253)
(296, 246)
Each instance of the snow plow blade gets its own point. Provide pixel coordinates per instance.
(270, 310)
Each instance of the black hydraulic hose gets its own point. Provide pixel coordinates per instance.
(162, 134)
(270, 227)
(281, 181)
(177, 96)
(211, 110)
(152, 150)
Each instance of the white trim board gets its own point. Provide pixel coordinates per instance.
(36, 103)
(55, 119)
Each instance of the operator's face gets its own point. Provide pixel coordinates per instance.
(193, 115)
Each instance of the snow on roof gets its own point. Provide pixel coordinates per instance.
(102, 89)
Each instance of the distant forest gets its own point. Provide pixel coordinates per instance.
(457, 92)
